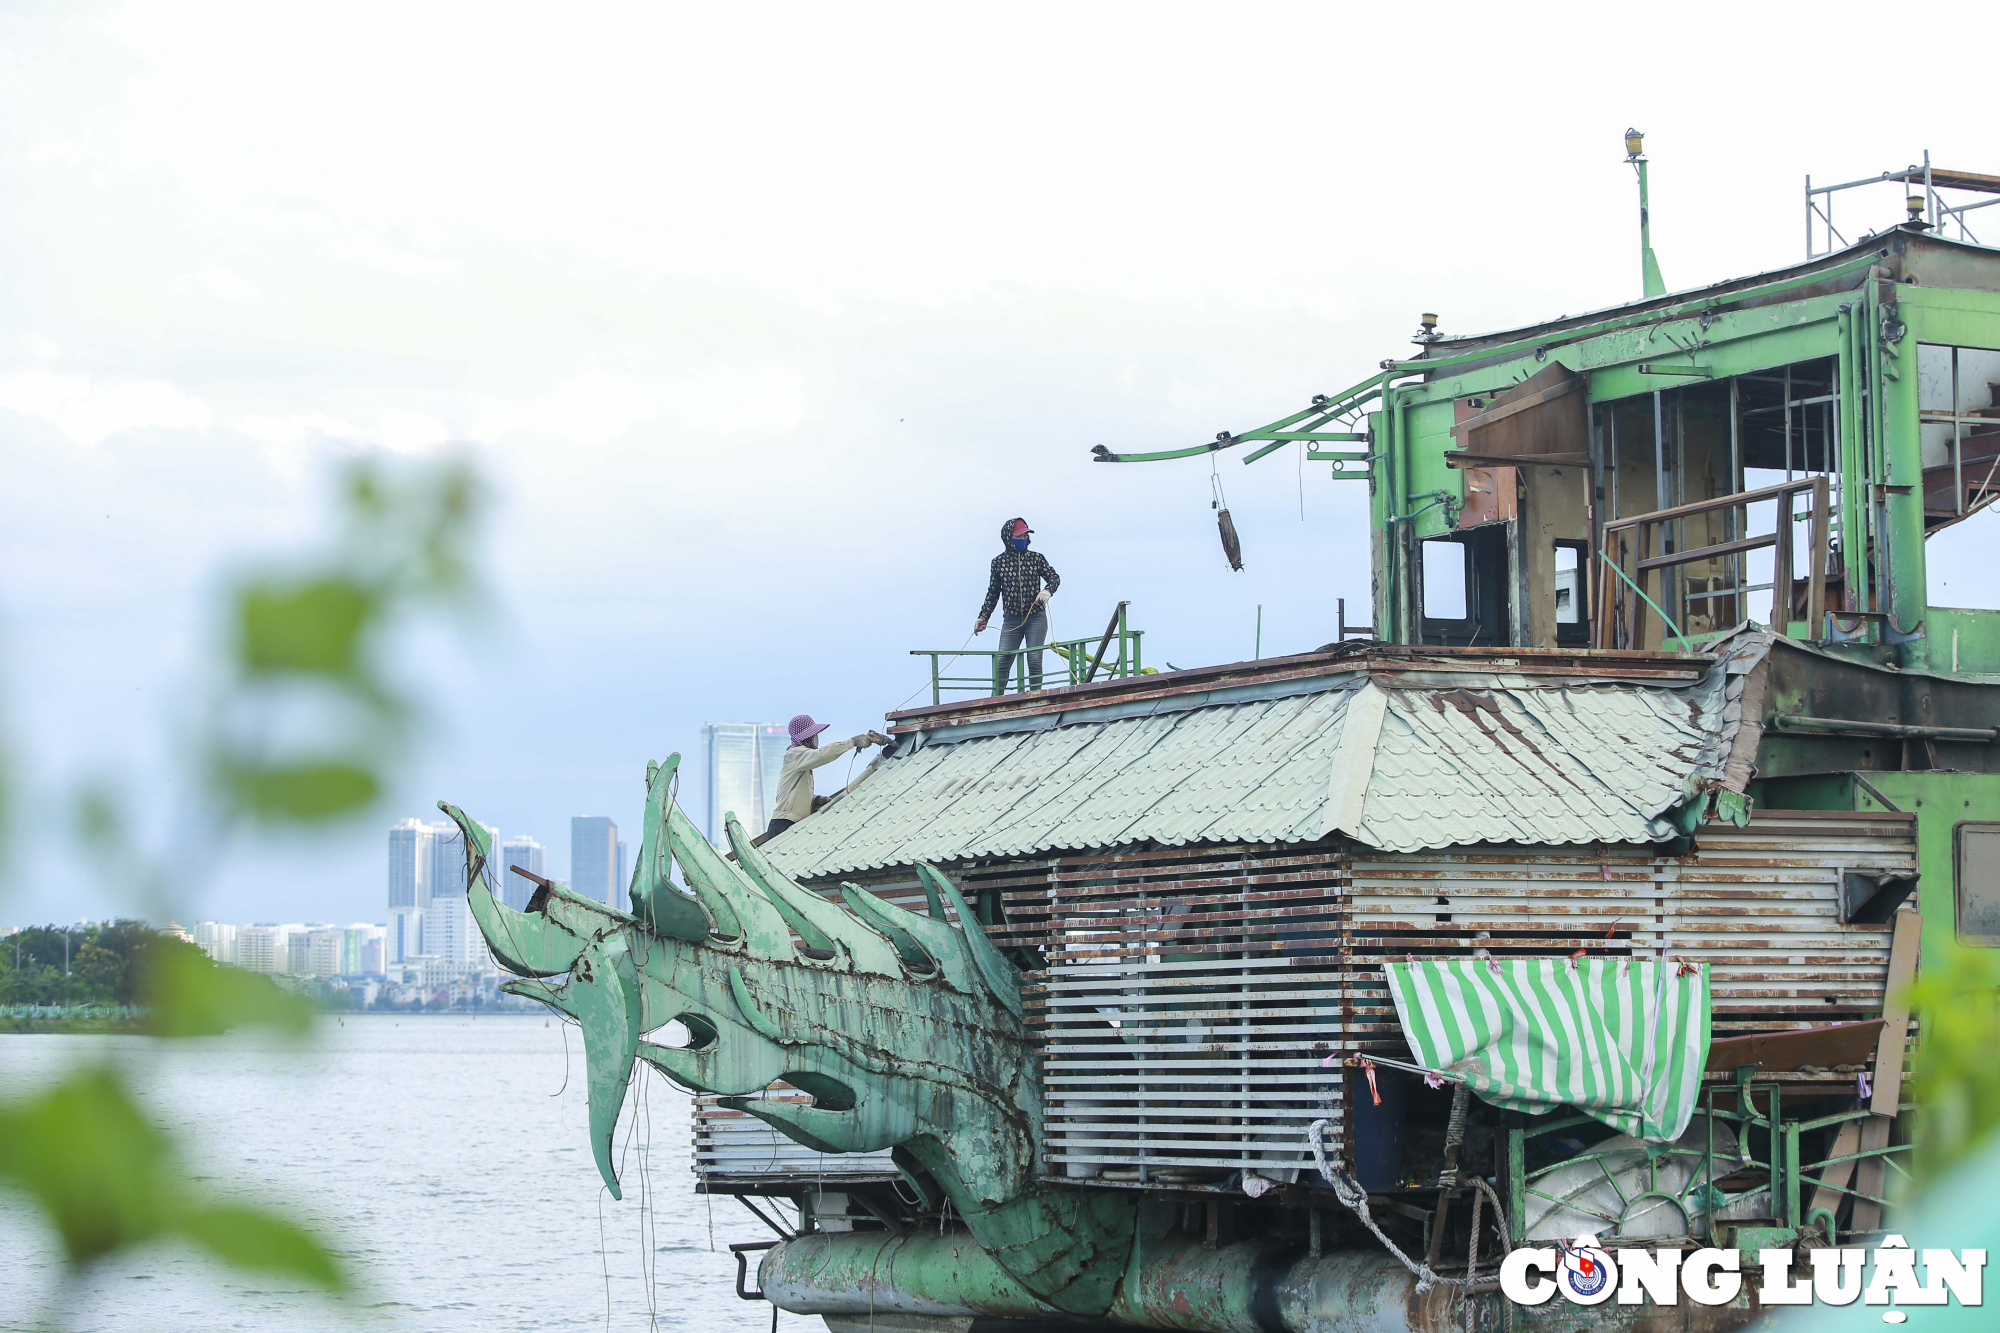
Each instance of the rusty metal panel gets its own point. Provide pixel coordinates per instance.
(1194, 995)
(1190, 1000)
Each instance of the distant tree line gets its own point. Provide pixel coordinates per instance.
(93, 964)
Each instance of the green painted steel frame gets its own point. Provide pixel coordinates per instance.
(1788, 1172)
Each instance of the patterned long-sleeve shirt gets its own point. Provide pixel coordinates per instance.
(1017, 580)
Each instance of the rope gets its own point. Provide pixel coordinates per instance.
(1349, 1192)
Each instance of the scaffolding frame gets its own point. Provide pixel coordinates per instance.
(1937, 213)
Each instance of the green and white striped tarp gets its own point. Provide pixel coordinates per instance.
(1623, 1039)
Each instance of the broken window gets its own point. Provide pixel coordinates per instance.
(1572, 593)
(1958, 411)
(1464, 588)
(1444, 580)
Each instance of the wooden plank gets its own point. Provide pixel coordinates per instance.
(1465, 428)
(1826, 1194)
(1711, 552)
(1838, 1044)
(1870, 1175)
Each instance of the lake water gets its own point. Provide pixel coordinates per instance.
(442, 1155)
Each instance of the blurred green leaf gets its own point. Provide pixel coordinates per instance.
(303, 791)
(93, 1162)
(188, 995)
(109, 1179)
(252, 1238)
(1957, 1075)
(310, 627)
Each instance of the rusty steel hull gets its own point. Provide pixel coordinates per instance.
(1249, 1287)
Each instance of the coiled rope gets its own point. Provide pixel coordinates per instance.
(1348, 1190)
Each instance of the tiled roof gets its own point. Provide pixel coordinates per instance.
(1398, 765)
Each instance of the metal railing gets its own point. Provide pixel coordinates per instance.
(1635, 553)
(1777, 1165)
(1109, 656)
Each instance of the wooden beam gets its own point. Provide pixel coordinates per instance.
(1710, 552)
(1465, 428)
(1467, 458)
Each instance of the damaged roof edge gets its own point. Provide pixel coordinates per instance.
(1444, 750)
(1617, 666)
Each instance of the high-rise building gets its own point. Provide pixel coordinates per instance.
(367, 943)
(217, 939)
(266, 947)
(409, 887)
(523, 851)
(743, 760)
(593, 857)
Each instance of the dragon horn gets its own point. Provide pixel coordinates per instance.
(555, 997)
(606, 992)
(525, 943)
(882, 1123)
(818, 922)
(935, 938)
(994, 969)
(912, 953)
(739, 909)
(660, 907)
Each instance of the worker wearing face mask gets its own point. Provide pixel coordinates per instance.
(1018, 584)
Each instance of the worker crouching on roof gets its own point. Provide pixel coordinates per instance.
(1017, 583)
(795, 779)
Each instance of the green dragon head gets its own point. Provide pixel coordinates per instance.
(906, 1031)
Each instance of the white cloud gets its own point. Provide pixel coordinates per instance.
(217, 283)
(40, 348)
(89, 411)
(394, 428)
(598, 406)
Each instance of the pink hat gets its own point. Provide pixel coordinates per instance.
(803, 728)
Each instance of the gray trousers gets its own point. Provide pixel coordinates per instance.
(1014, 630)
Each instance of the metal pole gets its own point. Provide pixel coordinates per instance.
(1663, 498)
(1651, 283)
(1739, 573)
(1809, 249)
(1957, 443)
(1788, 423)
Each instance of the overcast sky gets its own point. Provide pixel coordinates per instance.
(759, 320)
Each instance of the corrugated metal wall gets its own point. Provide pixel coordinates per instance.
(1193, 994)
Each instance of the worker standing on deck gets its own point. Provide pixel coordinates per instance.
(1016, 582)
(795, 779)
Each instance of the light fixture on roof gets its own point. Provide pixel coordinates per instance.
(1427, 331)
(1915, 203)
(1635, 143)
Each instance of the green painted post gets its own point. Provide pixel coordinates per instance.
(1793, 1204)
(1649, 266)
(1517, 1177)
(1904, 480)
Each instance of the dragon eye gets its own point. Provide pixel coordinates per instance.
(690, 1032)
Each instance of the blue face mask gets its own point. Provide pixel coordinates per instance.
(1018, 543)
